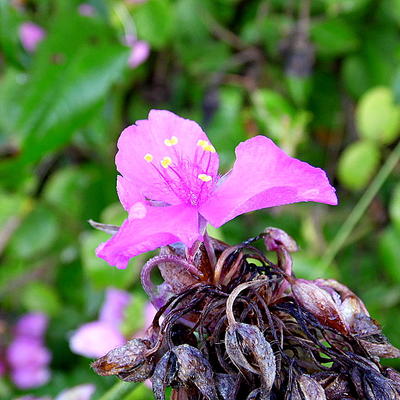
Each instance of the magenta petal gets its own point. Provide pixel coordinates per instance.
(164, 156)
(127, 192)
(264, 176)
(159, 227)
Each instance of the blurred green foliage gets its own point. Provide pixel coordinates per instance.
(320, 77)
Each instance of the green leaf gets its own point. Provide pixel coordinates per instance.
(377, 117)
(358, 164)
(10, 21)
(154, 20)
(36, 234)
(40, 297)
(388, 250)
(394, 207)
(99, 273)
(70, 78)
(334, 37)
(355, 75)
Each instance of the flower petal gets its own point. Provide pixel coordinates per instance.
(264, 176)
(159, 227)
(169, 158)
(95, 339)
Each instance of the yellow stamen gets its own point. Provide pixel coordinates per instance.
(202, 143)
(148, 157)
(166, 162)
(171, 142)
(204, 177)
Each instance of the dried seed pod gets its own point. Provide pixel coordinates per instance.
(246, 344)
(194, 369)
(227, 385)
(310, 388)
(127, 361)
(318, 302)
(184, 365)
(164, 374)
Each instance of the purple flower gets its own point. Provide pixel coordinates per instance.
(86, 10)
(95, 339)
(112, 311)
(25, 351)
(170, 186)
(31, 35)
(33, 325)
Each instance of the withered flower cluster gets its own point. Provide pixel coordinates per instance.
(244, 327)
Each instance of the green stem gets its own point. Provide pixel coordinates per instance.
(119, 390)
(360, 208)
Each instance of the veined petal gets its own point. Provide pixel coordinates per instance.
(169, 158)
(158, 227)
(128, 192)
(264, 176)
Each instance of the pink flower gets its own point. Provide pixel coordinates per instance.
(112, 311)
(31, 35)
(95, 339)
(170, 186)
(86, 10)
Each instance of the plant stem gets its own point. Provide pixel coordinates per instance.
(118, 390)
(360, 208)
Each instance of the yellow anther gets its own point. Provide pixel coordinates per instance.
(148, 157)
(206, 146)
(171, 142)
(204, 177)
(166, 162)
(209, 147)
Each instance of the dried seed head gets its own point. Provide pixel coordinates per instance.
(318, 302)
(127, 361)
(249, 350)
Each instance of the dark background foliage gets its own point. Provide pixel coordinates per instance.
(320, 77)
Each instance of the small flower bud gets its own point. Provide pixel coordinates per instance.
(275, 238)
